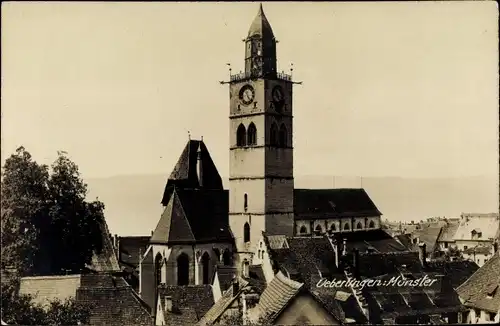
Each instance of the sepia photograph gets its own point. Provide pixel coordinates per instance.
(250, 163)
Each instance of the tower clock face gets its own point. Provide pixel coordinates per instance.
(247, 94)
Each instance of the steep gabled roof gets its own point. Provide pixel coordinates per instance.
(106, 259)
(277, 295)
(332, 203)
(185, 175)
(482, 289)
(194, 215)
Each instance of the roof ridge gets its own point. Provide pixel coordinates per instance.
(52, 277)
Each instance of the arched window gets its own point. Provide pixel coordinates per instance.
(205, 262)
(371, 225)
(246, 268)
(158, 266)
(252, 135)
(359, 226)
(241, 136)
(274, 134)
(183, 269)
(303, 229)
(318, 229)
(245, 202)
(333, 227)
(226, 257)
(283, 136)
(246, 233)
(346, 226)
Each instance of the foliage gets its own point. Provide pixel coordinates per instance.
(19, 309)
(47, 226)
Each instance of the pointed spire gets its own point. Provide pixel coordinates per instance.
(260, 25)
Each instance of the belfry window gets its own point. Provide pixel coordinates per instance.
(158, 266)
(205, 261)
(283, 136)
(245, 202)
(303, 229)
(318, 229)
(252, 135)
(226, 257)
(371, 225)
(246, 233)
(346, 226)
(241, 136)
(359, 226)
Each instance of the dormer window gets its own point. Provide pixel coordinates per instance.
(491, 291)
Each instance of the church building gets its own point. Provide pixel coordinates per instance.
(204, 225)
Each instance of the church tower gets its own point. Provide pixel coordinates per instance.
(261, 182)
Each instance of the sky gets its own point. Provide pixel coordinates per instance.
(389, 89)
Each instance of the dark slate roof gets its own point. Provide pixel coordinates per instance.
(197, 297)
(277, 295)
(185, 174)
(113, 301)
(482, 289)
(105, 260)
(480, 249)
(370, 240)
(457, 271)
(194, 215)
(180, 316)
(332, 203)
(405, 240)
(131, 247)
(225, 275)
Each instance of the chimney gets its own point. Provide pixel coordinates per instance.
(236, 285)
(355, 262)
(168, 303)
(199, 166)
(422, 254)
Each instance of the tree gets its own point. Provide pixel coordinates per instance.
(47, 226)
(19, 309)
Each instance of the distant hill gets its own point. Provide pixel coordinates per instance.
(133, 202)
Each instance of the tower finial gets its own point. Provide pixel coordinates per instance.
(189, 135)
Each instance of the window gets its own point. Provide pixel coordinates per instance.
(346, 226)
(246, 233)
(333, 227)
(252, 135)
(446, 244)
(158, 266)
(205, 262)
(245, 202)
(274, 134)
(303, 229)
(465, 247)
(246, 267)
(371, 225)
(241, 135)
(492, 316)
(359, 226)
(318, 229)
(226, 257)
(282, 136)
(260, 245)
(183, 269)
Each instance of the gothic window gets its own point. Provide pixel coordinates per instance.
(183, 269)
(226, 258)
(252, 134)
(245, 202)
(205, 262)
(282, 136)
(371, 225)
(332, 227)
(246, 233)
(303, 229)
(359, 226)
(241, 136)
(274, 134)
(158, 265)
(246, 268)
(318, 229)
(346, 226)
